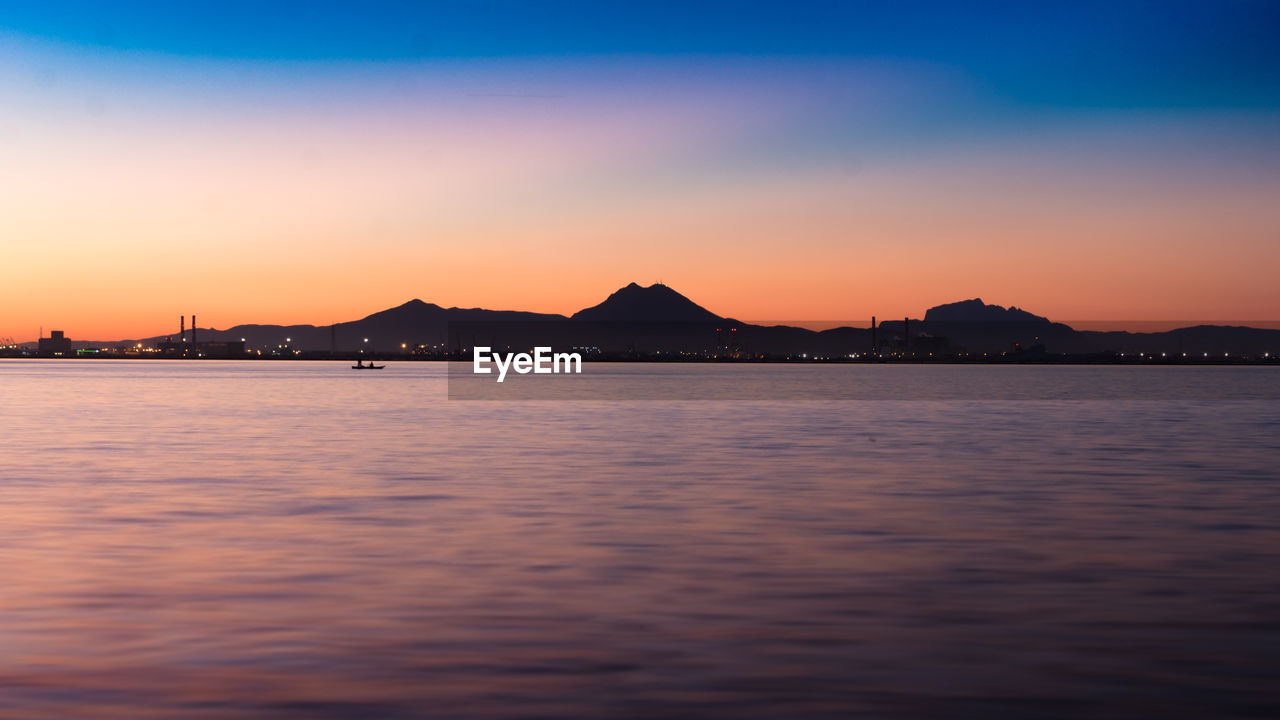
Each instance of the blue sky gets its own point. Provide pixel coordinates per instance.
(1105, 54)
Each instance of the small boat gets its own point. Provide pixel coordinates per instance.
(361, 366)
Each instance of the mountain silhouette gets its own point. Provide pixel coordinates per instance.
(656, 303)
(431, 318)
(409, 324)
(976, 311)
(641, 320)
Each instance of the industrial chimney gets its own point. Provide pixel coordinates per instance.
(182, 328)
(193, 329)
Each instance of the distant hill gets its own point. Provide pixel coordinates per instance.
(657, 318)
(412, 323)
(656, 303)
(976, 311)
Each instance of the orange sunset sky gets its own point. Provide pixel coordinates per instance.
(139, 183)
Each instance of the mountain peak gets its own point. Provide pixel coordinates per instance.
(413, 309)
(656, 303)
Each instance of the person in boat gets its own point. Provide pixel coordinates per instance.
(359, 363)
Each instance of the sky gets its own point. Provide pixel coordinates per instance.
(802, 161)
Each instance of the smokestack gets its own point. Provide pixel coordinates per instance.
(182, 328)
(193, 329)
(906, 332)
(873, 334)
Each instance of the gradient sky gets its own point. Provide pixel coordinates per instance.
(315, 162)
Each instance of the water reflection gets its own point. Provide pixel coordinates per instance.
(285, 540)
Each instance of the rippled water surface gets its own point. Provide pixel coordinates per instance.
(297, 540)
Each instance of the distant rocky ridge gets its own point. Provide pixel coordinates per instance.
(976, 311)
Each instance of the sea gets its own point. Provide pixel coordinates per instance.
(289, 539)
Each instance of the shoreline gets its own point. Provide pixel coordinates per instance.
(1137, 361)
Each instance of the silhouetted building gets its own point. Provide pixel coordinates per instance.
(56, 344)
(169, 348)
(930, 343)
(223, 349)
